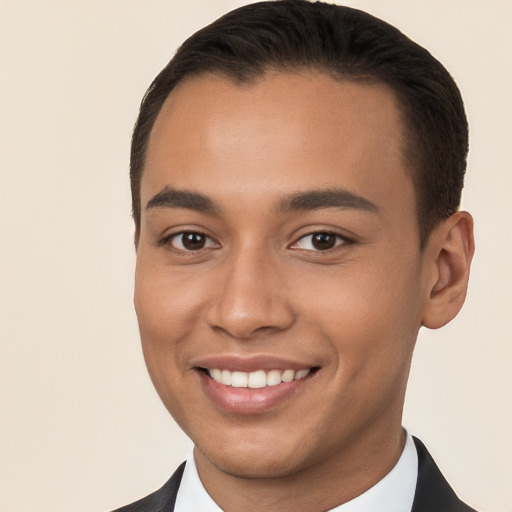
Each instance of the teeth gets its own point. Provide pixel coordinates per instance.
(273, 377)
(239, 379)
(258, 379)
(288, 376)
(225, 377)
(216, 375)
(301, 374)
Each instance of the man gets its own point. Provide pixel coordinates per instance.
(296, 175)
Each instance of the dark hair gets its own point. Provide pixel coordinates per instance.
(346, 44)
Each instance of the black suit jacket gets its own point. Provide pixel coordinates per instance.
(433, 493)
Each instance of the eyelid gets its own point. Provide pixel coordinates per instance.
(341, 240)
(166, 241)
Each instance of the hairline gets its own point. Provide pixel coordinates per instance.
(408, 142)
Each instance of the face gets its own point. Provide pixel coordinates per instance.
(279, 282)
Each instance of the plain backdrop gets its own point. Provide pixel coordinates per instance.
(81, 428)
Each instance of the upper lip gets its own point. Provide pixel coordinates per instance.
(239, 363)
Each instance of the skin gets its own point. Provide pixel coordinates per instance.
(259, 287)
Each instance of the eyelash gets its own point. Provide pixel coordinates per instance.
(340, 240)
(166, 241)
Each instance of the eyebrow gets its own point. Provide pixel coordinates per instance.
(301, 201)
(171, 198)
(329, 198)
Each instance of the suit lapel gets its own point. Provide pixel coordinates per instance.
(433, 493)
(162, 500)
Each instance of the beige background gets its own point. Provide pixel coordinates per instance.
(81, 428)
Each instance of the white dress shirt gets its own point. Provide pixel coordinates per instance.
(394, 493)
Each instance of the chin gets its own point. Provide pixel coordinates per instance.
(250, 468)
(269, 459)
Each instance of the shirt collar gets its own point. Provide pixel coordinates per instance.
(394, 493)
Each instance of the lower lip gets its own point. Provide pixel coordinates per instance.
(248, 400)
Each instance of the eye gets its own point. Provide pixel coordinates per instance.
(188, 241)
(319, 241)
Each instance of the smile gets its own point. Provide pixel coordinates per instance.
(257, 379)
(253, 383)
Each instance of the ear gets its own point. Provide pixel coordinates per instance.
(448, 254)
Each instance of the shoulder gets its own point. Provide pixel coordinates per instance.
(433, 493)
(161, 500)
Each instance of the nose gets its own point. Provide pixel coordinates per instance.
(251, 298)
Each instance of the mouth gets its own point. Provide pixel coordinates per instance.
(257, 379)
(253, 392)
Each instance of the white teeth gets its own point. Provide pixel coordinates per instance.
(301, 374)
(288, 376)
(239, 379)
(225, 377)
(273, 377)
(257, 379)
(216, 375)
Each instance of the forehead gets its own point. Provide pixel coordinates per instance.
(280, 134)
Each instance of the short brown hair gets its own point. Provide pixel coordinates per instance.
(346, 44)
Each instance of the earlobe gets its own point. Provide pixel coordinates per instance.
(450, 251)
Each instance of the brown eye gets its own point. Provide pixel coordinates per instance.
(320, 241)
(323, 241)
(191, 241)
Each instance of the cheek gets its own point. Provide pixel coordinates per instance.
(370, 315)
(358, 298)
(165, 311)
(165, 303)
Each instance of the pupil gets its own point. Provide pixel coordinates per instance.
(324, 241)
(193, 241)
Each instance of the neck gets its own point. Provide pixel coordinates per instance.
(362, 463)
